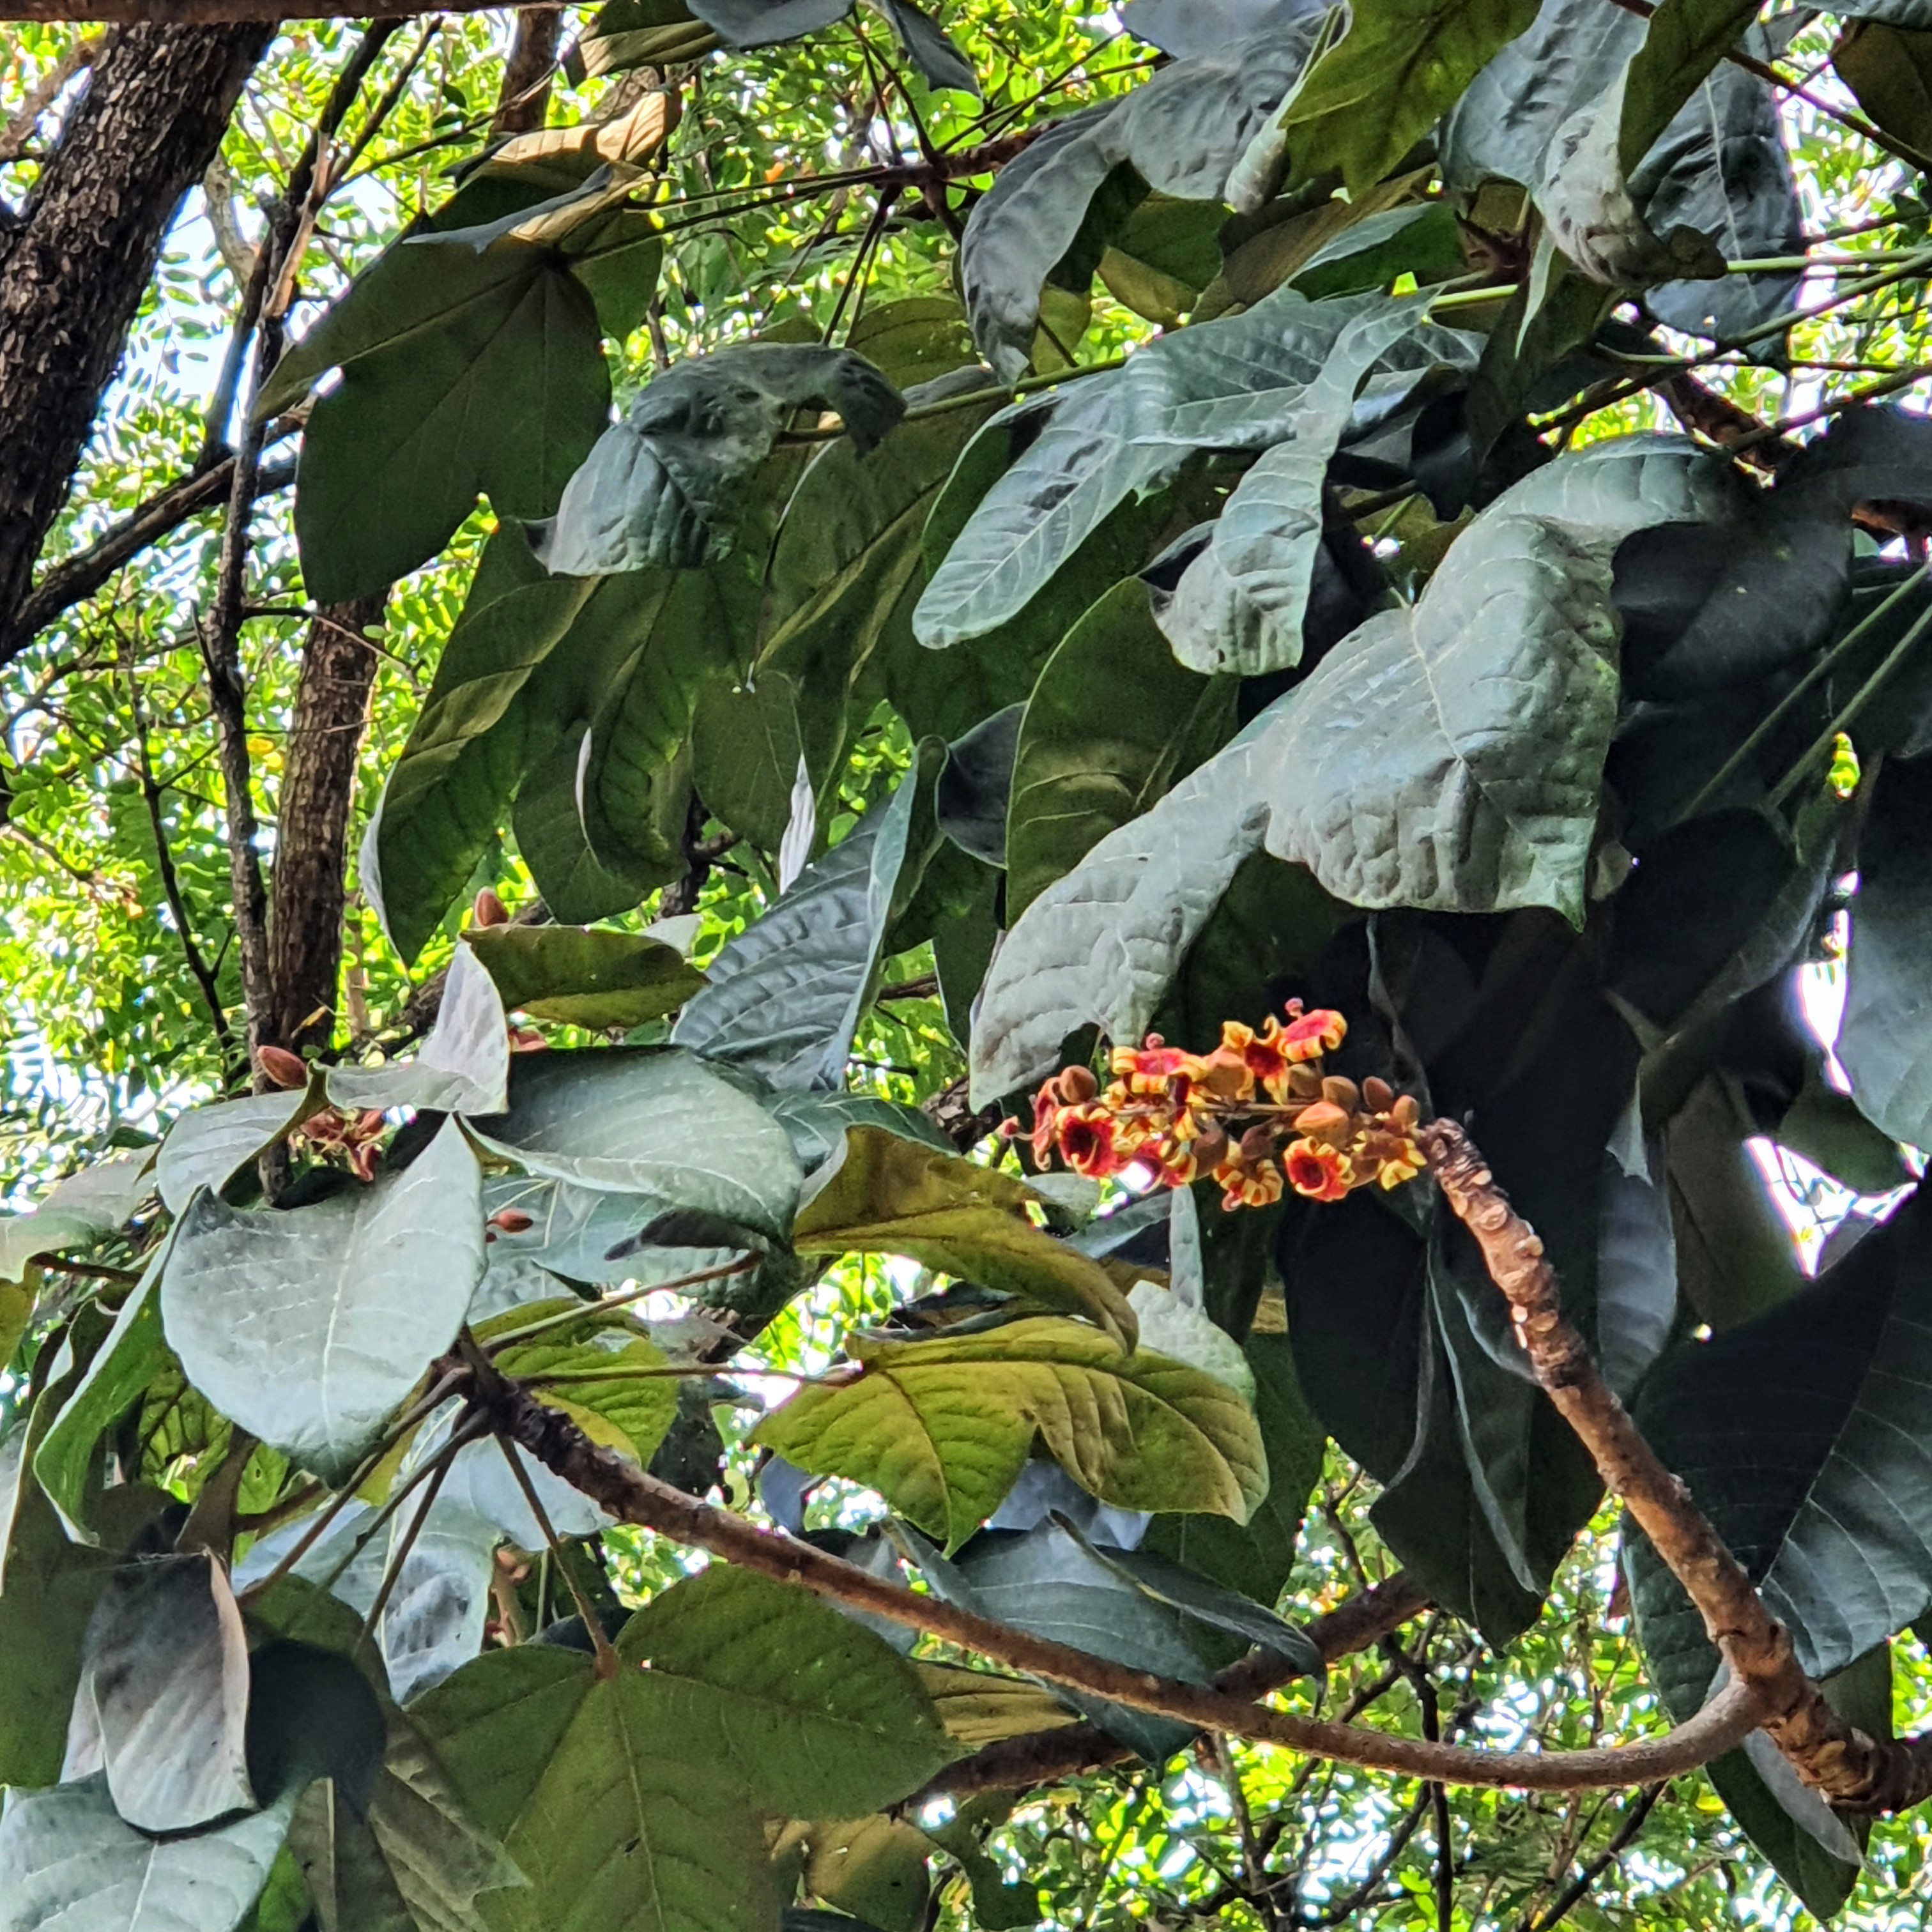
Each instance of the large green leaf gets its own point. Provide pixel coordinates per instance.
(586, 978)
(652, 1121)
(1373, 95)
(1801, 1434)
(1200, 129)
(209, 1146)
(308, 1327)
(657, 490)
(1255, 1557)
(163, 1699)
(891, 1196)
(74, 1213)
(503, 397)
(463, 1066)
(1112, 723)
(1239, 383)
(67, 1859)
(786, 994)
(1885, 1042)
(942, 1428)
(1447, 755)
(816, 1122)
(632, 1804)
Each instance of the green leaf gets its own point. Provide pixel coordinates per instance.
(812, 1714)
(891, 1196)
(163, 1696)
(1201, 130)
(1886, 1041)
(366, 1289)
(1447, 755)
(122, 1368)
(209, 1146)
(786, 994)
(503, 397)
(648, 1120)
(1801, 1435)
(66, 1859)
(463, 1066)
(1370, 97)
(632, 1805)
(74, 1213)
(873, 1868)
(626, 1411)
(1255, 1558)
(1888, 69)
(942, 1428)
(1240, 383)
(658, 488)
(816, 1122)
(586, 979)
(1417, 238)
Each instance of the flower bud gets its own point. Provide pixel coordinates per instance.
(1304, 1083)
(1258, 1143)
(488, 911)
(511, 1220)
(1405, 1112)
(1211, 1145)
(1340, 1093)
(284, 1068)
(1378, 1096)
(1325, 1121)
(1077, 1084)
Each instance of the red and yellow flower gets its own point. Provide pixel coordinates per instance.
(1317, 1171)
(1089, 1140)
(1308, 1036)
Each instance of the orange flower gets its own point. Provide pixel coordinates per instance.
(1263, 1055)
(1153, 1068)
(1174, 1161)
(1321, 1173)
(1385, 1154)
(1045, 1111)
(1088, 1140)
(1247, 1182)
(1309, 1036)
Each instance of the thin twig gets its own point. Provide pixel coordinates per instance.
(593, 1625)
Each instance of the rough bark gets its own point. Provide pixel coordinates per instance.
(524, 98)
(318, 790)
(73, 272)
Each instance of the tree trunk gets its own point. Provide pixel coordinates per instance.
(524, 98)
(73, 270)
(318, 790)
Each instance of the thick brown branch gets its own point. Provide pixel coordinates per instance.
(74, 271)
(212, 13)
(523, 99)
(1039, 1757)
(1852, 1769)
(80, 575)
(626, 1491)
(318, 792)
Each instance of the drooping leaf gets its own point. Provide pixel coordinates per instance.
(209, 1146)
(463, 1066)
(68, 1859)
(1255, 1557)
(1445, 755)
(1889, 69)
(786, 994)
(816, 1122)
(1186, 29)
(1200, 130)
(942, 1428)
(1886, 1041)
(656, 490)
(970, 795)
(74, 1213)
(586, 978)
(1238, 606)
(893, 1195)
(1241, 383)
(163, 1700)
(1370, 96)
(308, 1327)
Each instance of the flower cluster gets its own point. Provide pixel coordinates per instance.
(1258, 1113)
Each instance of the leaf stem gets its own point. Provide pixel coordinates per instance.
(498, 1343)
(1713, 786)
(607, 1664)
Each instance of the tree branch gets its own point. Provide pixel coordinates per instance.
(1068, 1750)
(80, 575)
(214, 13)
(627, 1493)
(1853, 1770)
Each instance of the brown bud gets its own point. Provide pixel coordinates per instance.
(1078, 1085)
(511, 1220)
(1258, 1143)
(1325, 1121)
(1340, 1093)
(488, 911)
(284, 1068)
(1405, 1112)
(1303, 1083)
(1210, 1146)
(1378, 1096)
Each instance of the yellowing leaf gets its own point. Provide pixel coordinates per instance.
(891, 1196)
(941, 1428)
(978, 1709)
(599, 1389)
